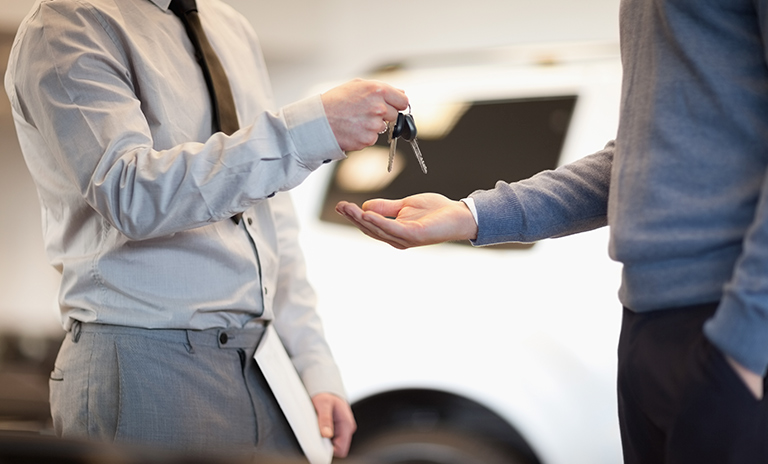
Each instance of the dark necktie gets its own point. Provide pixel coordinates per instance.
(224, 113)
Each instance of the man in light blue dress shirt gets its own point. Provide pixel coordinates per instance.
(164, 296)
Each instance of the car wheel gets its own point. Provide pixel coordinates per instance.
(432, 447)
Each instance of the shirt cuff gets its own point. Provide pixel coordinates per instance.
(470, 202)
(323, 379)
(311, 133)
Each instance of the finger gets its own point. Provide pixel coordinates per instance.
(373, 228)
(391, 114)
(385, 229)
(364, 138)
(324, 417)
(395, 98)
(392, 227)
(345, 427)
(375, 232)
(350, 211)
(752, 380)
(386, 208)
(344, 206)
(355, 216)
(343, 438)
(377, 125)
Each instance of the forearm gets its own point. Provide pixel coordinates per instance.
(146, 193)
(568, 200)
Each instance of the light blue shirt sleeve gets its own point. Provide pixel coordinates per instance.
(114, 121)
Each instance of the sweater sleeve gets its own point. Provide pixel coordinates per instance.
(740, 325)
(554, 203)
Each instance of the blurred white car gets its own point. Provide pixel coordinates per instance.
(455, 354)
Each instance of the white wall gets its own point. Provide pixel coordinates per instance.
(305, 42)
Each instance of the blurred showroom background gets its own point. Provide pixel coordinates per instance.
(306, 43)
(309, 45)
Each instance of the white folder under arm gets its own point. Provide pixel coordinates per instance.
(292, 397)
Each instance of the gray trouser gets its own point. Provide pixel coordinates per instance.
(185, 390)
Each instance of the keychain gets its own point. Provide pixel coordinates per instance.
(404, 128)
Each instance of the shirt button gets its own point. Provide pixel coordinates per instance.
(223, 338)
(250, 221)
(265, 290)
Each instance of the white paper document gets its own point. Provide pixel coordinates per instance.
(292, 397)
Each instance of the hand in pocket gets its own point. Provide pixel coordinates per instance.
(752, 380)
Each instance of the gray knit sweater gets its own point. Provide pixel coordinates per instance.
(683, 185)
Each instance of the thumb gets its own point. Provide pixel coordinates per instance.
(386, 208)
(324, 411)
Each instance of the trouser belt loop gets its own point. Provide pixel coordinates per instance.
(76, 330)
(189, 346)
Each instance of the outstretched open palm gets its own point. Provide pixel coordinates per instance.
(418, 220)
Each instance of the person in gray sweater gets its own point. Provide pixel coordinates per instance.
(683, 190)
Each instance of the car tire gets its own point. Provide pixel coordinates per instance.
(438, 446)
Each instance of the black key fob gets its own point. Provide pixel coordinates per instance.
(405, 127)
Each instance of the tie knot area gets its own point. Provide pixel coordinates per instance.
(182, 7)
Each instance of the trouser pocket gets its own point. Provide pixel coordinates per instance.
(68, 390)
(719, 420)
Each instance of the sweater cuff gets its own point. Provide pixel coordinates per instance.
(738, 330)
(499, 217)
(311, 133)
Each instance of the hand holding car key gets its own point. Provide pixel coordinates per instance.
(404, 128)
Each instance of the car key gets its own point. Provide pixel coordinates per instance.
(392, 144)
(404, 128)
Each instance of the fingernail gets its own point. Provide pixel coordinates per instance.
(327, 432)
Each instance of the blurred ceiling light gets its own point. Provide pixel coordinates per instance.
(436, 120)
(366, 170)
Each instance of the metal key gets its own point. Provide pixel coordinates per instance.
(404, 128)
(392, 145)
